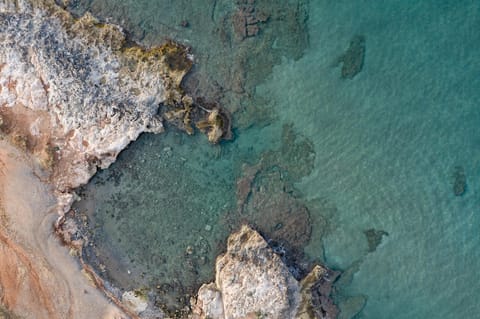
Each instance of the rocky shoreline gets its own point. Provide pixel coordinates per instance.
(253, 282)
(74, 93)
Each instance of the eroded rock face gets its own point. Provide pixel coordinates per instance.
(253, 282)
(93, 91)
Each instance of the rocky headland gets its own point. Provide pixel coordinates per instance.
(74, 92)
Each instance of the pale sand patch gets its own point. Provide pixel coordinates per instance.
(38, 278)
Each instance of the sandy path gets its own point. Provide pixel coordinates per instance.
(38, 278)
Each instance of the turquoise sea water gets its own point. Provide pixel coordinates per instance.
(388, 144)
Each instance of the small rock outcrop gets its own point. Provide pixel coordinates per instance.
(253, 282)
(246, 20)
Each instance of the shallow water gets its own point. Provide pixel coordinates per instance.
(388, 143)
(387, 147)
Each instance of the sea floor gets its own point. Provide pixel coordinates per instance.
(356, 144)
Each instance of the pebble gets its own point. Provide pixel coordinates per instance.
(168, 151)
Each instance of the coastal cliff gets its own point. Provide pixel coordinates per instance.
(74, 92)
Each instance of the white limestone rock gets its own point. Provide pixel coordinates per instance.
(210, 299)
(98, 93)
(135, 301)
(253, 282)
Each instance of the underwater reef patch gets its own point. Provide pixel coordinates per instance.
(374, 238)
(353, 59)
(459, 185)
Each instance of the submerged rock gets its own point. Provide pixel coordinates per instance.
(268, 199)
(273, 207)
(459, 181)
(351, 306)
(374, 238)
(253, 282)
(352, 59)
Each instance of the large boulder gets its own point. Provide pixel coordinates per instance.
(253, 282)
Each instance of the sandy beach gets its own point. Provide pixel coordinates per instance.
(38, 277)
(58, 126)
